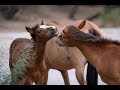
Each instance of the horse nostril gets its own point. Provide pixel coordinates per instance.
(52, 29)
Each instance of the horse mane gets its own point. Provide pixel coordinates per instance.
(33, 38)
(35, 27)
(78, 35)
(94, 32)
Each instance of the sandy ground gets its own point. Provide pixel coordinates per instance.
(55, 77)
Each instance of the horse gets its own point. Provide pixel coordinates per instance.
(89, 27)
(79, 65)
(66, 61)
(102, 53)
(35, 69)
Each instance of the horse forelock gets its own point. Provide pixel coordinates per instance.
(35, 27)
(94, 32)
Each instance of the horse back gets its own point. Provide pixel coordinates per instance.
(88, 27)
(54, 23)
(16, 48)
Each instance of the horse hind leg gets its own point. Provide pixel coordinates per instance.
(65, 77)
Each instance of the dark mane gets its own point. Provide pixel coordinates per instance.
(35, 27)
(94, 32)
(33, 38)
(78, 35)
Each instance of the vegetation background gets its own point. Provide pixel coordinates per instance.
(17, 16)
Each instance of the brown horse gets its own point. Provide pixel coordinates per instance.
(100, 52)
(67, 59)
(35, 70)
(70, 54)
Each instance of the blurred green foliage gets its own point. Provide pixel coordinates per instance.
(111, 15)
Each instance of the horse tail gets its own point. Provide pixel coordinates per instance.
(92, 75)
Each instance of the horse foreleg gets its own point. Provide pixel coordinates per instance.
(79, 71)
(39, 81)
(65, 77)
(39, 78)
(46, 77)
(26, 81)
(29, 82)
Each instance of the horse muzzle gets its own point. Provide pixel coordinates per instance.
(55, 32)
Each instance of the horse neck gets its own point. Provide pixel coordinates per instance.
(92, 52)
(39, 51)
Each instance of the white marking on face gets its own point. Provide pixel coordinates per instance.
(45, 27)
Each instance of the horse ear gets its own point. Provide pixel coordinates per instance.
(82, 24)
(29, 30)
(42, 23)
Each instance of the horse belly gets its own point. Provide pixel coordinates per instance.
(59, 60)
(61, 63)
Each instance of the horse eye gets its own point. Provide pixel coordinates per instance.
(51, 29)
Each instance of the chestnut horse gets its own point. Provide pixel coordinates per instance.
(100, 52)
(35, 69)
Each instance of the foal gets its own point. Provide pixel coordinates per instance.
(36, 69)
(103, 54)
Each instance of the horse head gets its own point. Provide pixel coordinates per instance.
(42, 32)
(64, 37)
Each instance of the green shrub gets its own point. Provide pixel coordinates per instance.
(20, 66)
(111, 16)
